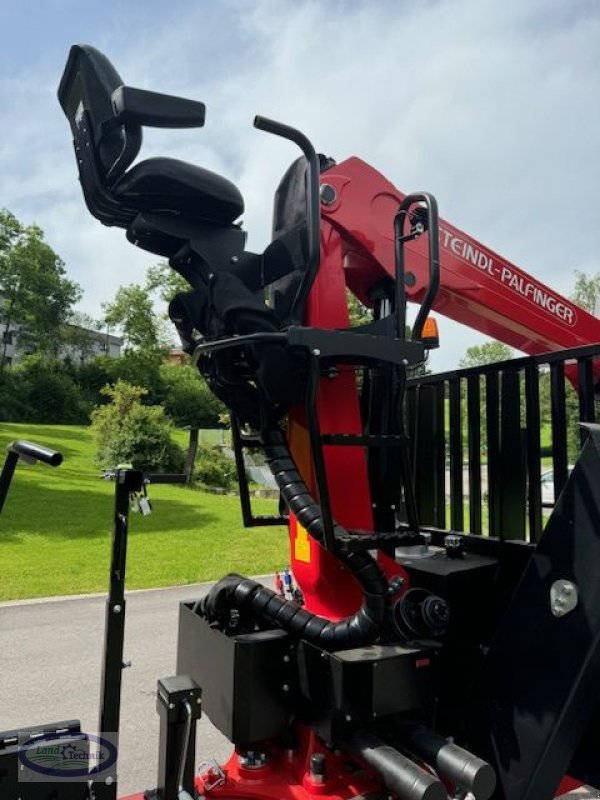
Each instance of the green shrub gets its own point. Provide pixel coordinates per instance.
(187, 399)
(42, 390)
(12, 407)
(213, 468)
(52, 397)
(139, 369)
(126, 431)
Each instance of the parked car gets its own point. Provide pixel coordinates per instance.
(547, 483)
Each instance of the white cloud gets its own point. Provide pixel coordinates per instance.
(493, 108)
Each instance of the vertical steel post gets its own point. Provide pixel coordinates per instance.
(126, 482)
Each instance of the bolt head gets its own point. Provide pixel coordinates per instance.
(327, 194)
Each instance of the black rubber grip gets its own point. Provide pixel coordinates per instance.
(35, 451)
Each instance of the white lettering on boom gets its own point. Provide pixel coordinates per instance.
(519, 284)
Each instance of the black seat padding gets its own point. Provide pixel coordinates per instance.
(106, 148)
(171, 185)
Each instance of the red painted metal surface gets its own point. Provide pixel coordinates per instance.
(287, 776)
(478, 287)
(328, 588)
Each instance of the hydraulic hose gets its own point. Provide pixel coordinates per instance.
(235, 591)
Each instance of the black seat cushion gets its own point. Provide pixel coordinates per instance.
(166, 184)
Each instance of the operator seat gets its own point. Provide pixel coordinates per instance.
(187, 214)
(107, 142)
(174, 209)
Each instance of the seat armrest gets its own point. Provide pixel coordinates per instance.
(140, 107)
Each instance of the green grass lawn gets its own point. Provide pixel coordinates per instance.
(56, 525)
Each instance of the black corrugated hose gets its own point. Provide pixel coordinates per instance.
(236, 592)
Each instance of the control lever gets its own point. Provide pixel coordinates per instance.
(313, 211)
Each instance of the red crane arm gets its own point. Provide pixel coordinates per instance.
(478, 287)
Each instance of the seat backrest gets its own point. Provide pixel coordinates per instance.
(287, 295)
(86, 87)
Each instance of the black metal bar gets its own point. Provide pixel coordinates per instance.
(364, 440)
(8, 470)
(314, 432)
(434, 261)
(589, 351)
(240, 466)
(559, 427)
(165, 477)
(190, 457)
(430, 456)
(456, 457)
(585, 386)
(410, 408)
(533, 448)
(513, 480)
(28, 451)
(313, 206)
(493, 452)
(237, 341)
(438, 460)
(400, 282)
(474, 444)
(127, 481)
(250, 519)
(408, 483)
(177, 736)
(35, 452)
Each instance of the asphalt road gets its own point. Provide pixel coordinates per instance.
(50, 658)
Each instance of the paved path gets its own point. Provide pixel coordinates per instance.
(50, 656)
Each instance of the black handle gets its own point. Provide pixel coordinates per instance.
(140, 107)
(434, 260)
(312, 199)
(37, 452)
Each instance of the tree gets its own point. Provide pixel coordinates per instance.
(133, 311)
(187, 399)
(487, 353)
(163, 279)
(36, 293)
(587, 291)
(127, 431)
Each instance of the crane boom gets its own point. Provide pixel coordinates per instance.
(478, 287)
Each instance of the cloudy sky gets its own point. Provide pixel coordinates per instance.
(492, 106)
